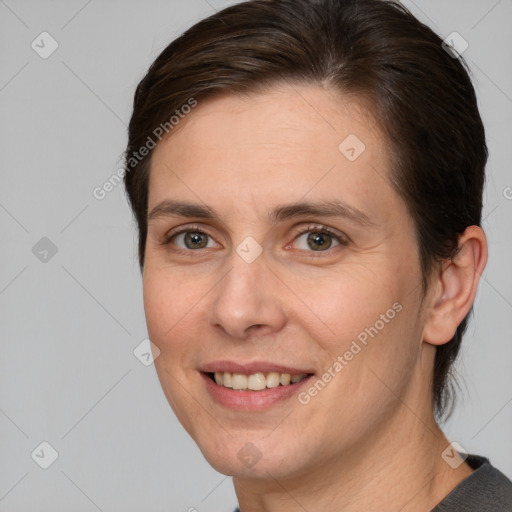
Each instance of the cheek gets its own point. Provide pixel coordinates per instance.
(350, 302)
(169, 305)
(368, 319)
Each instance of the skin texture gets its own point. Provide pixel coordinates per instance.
(369, 435)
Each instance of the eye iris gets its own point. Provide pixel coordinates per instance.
(193, 240)
(319, 238)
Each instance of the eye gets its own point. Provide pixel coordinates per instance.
(313, 239)
(189, 239)
(319, 239)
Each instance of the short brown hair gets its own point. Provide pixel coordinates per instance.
(420, 95)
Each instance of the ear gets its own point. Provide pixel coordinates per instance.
(454, 288)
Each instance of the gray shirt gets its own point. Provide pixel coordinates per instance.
(486, 490)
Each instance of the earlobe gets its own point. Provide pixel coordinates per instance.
(455, 287)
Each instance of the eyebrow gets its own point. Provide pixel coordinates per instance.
(173, 208)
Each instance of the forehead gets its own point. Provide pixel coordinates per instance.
(288, 141)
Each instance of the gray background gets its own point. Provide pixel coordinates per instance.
(70, 323)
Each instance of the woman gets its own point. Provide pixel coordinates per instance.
(307, 177)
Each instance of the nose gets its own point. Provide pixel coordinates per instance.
(247, 300)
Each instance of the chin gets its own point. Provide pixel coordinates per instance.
(248, 456)
(261, 469)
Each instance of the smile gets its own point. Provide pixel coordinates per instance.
(255, 381)
(252, 386)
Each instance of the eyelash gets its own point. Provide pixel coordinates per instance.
(343, 240)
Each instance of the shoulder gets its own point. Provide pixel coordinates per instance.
(486, 489)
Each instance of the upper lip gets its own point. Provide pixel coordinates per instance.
(251, 367)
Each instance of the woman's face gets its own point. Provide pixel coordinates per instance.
(244, 282)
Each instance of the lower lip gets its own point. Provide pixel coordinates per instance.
(251, 400)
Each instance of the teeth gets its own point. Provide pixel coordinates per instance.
(273, 380)
(227, 381)
(256, 381)
(285, 379)
(239, 381)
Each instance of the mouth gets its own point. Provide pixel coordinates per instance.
(256, 381)
(254, 386)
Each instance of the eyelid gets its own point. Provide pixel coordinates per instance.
(189, 228)
(320, 228)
